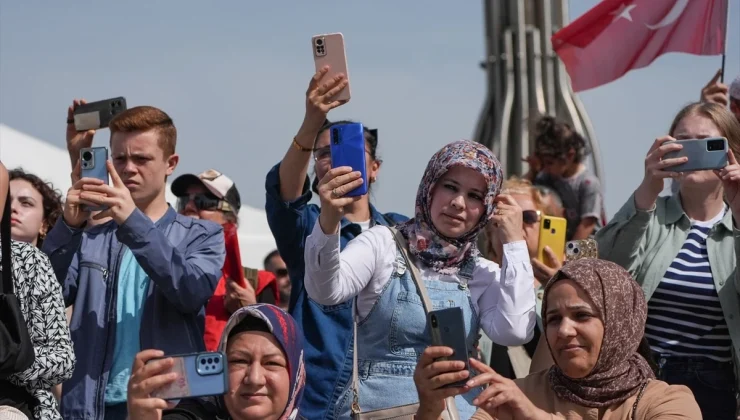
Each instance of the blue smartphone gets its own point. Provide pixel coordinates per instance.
(447, 327)
(348, 149)
(92, 165)
(198, 375)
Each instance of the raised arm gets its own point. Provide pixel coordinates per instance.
(294, 166)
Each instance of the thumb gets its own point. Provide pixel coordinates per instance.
(731, 157)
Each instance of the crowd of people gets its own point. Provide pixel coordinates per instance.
(335, 324)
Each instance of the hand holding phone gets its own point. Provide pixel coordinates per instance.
(702, 154)
(93, 165)
(347, 146)
(552, 233)
(197, 375)
(98, 114)
(447, 327)
(328, 50)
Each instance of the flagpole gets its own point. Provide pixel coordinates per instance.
(724, 44)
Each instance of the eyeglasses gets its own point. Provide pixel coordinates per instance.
(324, 153)
(530, 217)
(202, 202)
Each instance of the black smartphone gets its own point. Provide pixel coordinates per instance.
(447, 327)
(98, 114)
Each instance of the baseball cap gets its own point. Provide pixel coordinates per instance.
(217, 183)
(735, 88)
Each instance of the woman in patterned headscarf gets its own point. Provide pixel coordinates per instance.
(458, 195)
(594, 319)
(264, 351)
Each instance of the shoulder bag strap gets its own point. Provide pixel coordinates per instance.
(7, 262)
(421, 287)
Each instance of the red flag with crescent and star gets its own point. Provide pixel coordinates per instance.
(617, 36)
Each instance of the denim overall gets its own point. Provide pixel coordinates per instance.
(392, 337)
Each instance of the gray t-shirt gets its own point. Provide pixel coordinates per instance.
(581, 196)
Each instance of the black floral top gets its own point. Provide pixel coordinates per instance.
(42, 305)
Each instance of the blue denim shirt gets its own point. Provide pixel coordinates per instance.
(182, 257)
(328, 329)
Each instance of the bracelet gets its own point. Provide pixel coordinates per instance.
(301, 148)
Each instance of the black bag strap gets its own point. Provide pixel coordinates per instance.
(7, 267)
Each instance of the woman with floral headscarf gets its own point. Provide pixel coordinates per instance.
(594, 317)
(264, 352)
(458, 195)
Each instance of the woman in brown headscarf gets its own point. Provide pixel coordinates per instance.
(594, 317)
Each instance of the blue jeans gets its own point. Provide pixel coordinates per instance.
(713, 383)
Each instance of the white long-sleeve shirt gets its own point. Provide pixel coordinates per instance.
(503, 297)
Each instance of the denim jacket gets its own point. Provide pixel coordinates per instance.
(182, 257)
(646, 242)
(328, 329)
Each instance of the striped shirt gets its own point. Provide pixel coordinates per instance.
(684, 313)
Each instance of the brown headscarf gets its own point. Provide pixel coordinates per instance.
(620, 371)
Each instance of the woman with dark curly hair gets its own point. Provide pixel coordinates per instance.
(35, 207)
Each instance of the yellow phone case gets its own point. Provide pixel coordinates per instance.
(552, 234)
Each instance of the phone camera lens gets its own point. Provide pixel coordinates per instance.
(547, 224)
(576, 250)
(319, 41)
(87, 156)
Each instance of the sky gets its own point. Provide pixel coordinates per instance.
(233, 76)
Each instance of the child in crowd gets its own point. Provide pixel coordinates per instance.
(558, 163)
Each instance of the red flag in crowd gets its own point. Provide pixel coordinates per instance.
(617, 36)
(233, 264)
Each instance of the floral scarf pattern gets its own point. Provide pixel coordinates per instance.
(442, 254)
(620, 370)
(290, 337)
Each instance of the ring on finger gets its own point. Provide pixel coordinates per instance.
(334, 193)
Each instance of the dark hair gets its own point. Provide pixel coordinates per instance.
(371, 138)
(555, 138)
(270, 256)
(249, 323)
(51, 198)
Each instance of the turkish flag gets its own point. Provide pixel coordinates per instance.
(617, 36)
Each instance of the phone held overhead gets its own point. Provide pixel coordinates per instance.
(328, 50)
(96, 115)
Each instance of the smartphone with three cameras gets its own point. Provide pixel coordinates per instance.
(98, 114)
(328, 49)
(702, 154)
(93, 165)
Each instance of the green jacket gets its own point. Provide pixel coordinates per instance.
(646, 242)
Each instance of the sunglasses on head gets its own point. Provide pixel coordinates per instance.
(530, 217)
(202, 201)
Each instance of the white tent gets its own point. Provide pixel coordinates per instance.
(51, 163)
